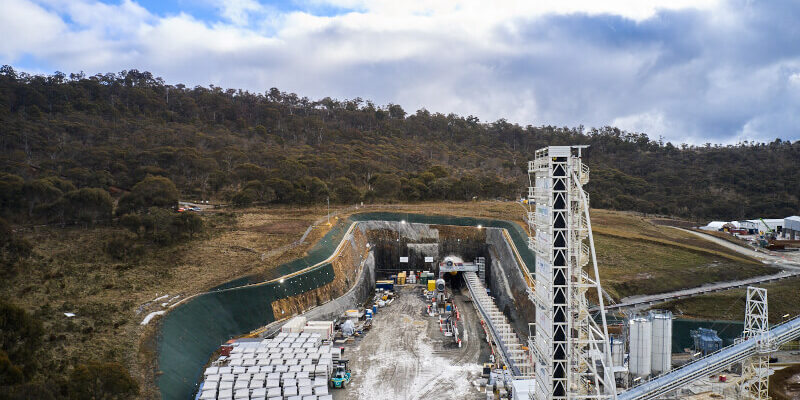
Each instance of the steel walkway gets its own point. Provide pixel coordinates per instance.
(503, 335)
(709, 364)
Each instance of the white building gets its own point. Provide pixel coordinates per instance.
(754, 226)
(791, 227)
(775, 224)
(750, 225)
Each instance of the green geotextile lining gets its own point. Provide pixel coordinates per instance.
(190, 332)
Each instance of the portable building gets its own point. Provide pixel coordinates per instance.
(294, 325)
(750, 226)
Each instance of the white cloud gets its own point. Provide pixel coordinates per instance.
(238, 11)
(794, 79)
(632, 9)
(666, 68)
(25, 26)
(651, 122)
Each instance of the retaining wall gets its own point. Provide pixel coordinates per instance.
(507, 284)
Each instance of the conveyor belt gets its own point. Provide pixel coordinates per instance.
(709, 364)
(503, 335)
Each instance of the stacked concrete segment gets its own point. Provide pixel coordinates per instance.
(290, 366)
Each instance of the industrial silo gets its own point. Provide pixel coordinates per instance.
(617, 351)
(661, 358)
(640, 346)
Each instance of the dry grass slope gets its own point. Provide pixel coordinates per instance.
(730, 305)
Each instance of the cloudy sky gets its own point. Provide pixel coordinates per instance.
(688, 70)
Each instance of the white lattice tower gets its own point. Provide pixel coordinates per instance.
(568, 345)
(755, 370)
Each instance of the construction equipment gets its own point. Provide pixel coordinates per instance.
(769, 239)
(769, 233)
(341, 375)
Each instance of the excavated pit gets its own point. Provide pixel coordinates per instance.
(504, 276)
(322, 287)
(385, 242)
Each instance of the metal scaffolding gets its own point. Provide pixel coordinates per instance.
(570, 350)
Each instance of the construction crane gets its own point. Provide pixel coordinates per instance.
(769, 230)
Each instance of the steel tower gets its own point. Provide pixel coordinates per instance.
(570, 350)
(755, 370)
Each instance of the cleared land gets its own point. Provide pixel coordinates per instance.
(637, 257)
(405, 356)
(71, 271)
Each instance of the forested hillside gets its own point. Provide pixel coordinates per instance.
(60, 134)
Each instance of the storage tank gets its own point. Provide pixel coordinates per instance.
(640, 346)
(617, 351)
(661, 358)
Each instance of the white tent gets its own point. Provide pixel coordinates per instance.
(714, 225)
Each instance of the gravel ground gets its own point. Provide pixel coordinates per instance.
(404, 356)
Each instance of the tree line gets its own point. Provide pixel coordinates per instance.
(112, 131)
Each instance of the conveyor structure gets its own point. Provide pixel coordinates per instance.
(714, 362)
(509, 347)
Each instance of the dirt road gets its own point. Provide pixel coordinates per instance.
(783, 260)
(405, 357)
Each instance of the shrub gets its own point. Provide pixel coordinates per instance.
(13, 248)
(10, 374)
(123, 248)
(187, 224)
(20, 336)
(87, 205)
(153, 191)
(101, 381)
(244, 197)
(131, 222)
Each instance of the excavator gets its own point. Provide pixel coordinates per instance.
(770, 239)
